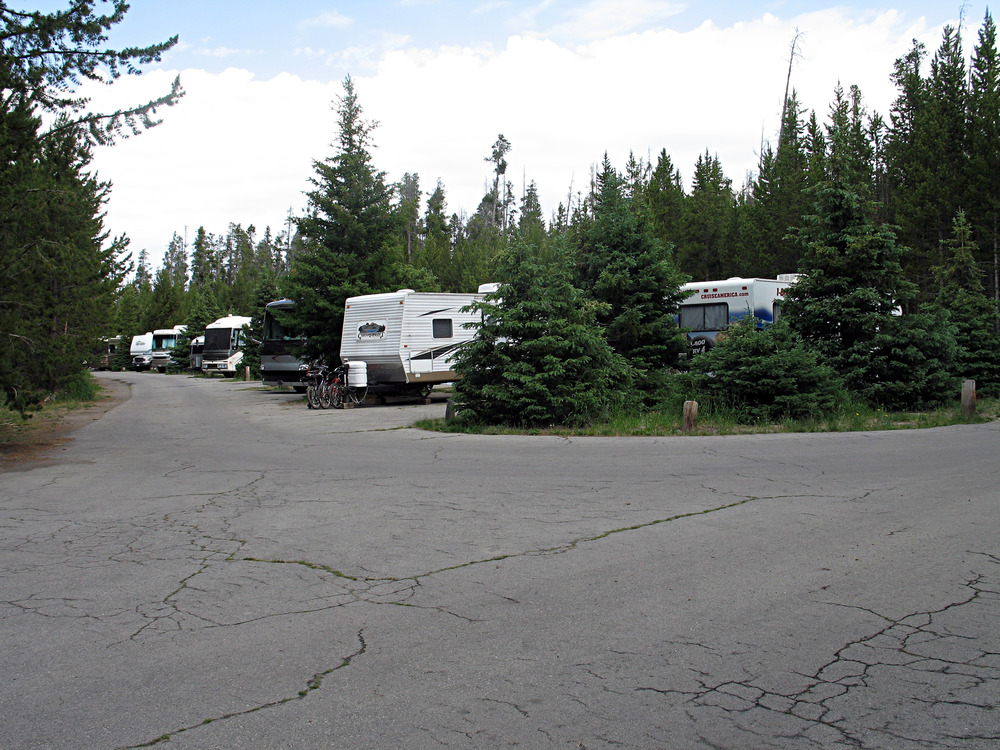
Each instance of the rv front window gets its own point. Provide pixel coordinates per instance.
(713, 317)
(441, 328)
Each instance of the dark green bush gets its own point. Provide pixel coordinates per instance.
(765, 375)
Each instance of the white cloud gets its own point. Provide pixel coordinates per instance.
(331, 19)
(238, 149)
(599, 19)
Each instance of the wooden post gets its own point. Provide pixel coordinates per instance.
(690, 416)
(969, 399)
(247, 377)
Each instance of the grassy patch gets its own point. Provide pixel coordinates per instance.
(851, 418)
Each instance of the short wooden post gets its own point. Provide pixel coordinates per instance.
(969, 399)
(247, 377)
(690, 416)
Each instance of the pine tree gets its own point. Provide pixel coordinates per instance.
(630, 272)
(538, 359)
(664, 202)
(709, 222)
(972, 312)
(59, 270)
(984, 150)
(347, 235)
(57, 277)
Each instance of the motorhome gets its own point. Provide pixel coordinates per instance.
(224, 342)
(164, 340)
(713, 306)
(103, 355)
(141, 350)
(278, 366)
(408, 339)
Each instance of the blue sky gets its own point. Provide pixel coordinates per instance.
(564, 81)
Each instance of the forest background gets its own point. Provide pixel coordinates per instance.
(933, 158)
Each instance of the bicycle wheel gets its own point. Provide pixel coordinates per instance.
(338, 393)
(312, 396)
(325, 394)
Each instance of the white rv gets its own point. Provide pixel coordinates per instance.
(141, 350)
(164, 340)
(224, 341)
(713, 306)
(407, 339)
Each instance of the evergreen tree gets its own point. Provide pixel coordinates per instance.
(984, 150)
(709, 222)
(57, 279)
(972, 312)
(844, 305)
(664, 201)
(347, 234)
(765, 374)
(538, 359)
(435, 255)
(59, 270)
(631, 273)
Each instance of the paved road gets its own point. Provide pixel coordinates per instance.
(215, 566)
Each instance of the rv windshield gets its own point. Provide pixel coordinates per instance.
(274, 331)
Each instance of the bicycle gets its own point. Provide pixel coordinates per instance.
(317, 391)
(342, 392)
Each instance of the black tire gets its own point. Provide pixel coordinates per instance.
(312, 396)
(325, 395)
(338, 394)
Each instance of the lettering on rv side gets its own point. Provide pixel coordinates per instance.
(724, 295)
(372, 329)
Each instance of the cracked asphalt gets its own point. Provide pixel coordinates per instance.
(211, 565)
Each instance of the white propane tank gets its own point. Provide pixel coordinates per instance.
(357, 374)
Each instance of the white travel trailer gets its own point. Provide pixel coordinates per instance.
(713, 306)
(141, 350)
(407, 338)
(224, 342)
(164, 340)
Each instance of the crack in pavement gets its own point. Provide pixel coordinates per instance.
(312, 684)
(932, 652)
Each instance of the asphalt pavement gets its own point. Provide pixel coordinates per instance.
(213, 565)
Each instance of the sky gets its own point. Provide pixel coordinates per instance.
(564, 82)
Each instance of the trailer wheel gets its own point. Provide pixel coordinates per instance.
(701, 344)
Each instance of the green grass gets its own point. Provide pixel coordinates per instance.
(851, 418)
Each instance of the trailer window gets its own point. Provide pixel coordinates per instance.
(441, 328)
(713, 317)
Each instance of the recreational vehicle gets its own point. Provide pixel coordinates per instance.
(141, 350)
(278, 366)
(164, 340)
(224, 341)
(407, 338)
(104, 354)
(713, 306)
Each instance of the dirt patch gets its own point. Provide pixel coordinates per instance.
(25, 444)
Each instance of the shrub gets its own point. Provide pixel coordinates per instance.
(766, 374)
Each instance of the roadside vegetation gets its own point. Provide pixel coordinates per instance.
(723, 421)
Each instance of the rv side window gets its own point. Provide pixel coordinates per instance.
(705, 317)
(441, 328)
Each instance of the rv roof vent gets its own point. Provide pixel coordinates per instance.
(405, 291)
(789, 277)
